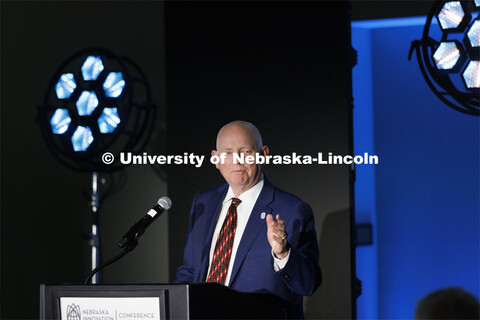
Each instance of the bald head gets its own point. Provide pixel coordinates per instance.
(244, 127)
(239, 137)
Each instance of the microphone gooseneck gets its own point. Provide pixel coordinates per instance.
(130, 240)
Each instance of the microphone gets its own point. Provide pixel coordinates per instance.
(163, 204)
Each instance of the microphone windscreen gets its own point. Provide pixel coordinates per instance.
(165, 203)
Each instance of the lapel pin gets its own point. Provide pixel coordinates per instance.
(262, 215)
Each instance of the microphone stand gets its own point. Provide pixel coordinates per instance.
(130, 240)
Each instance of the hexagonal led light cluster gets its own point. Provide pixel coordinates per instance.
(92, 106)
(87, 102)
(454, 55)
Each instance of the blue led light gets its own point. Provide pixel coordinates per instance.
(65, 86)
(474, 34)
(60, 121)
(471, 75)
(451, 15)
(86, 103)
(113, 84)
(446, 55)
(82, 138)
(91, 68)
(108, 120)
(477, 3)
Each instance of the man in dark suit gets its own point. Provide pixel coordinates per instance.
(233, 237)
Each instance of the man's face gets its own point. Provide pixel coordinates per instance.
(237, 139)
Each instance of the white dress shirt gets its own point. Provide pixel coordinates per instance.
(244, 209)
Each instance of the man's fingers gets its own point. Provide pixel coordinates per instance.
(280, 239)
(280, 233)
(271, 222)
(280, 223)
(279, 219)
(277, 239)
(277, 228)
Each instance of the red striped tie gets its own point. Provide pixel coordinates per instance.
(224, 245)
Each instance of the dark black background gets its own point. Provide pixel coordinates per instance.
(283, 68)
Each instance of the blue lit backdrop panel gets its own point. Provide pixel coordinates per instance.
(423, 198)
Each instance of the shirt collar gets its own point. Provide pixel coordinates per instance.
(249, 195)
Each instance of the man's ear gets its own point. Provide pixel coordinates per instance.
(265, 151)
(215, 153)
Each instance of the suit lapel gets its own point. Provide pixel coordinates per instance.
(254, 226)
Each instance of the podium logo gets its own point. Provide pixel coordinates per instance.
(73, 312)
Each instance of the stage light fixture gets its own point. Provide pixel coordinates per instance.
(449, 61)
(96, 102)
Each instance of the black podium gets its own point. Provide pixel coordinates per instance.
(153, 301)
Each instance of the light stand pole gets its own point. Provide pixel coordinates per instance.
(95, 238)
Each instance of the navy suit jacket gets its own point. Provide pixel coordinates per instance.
(253, 266)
